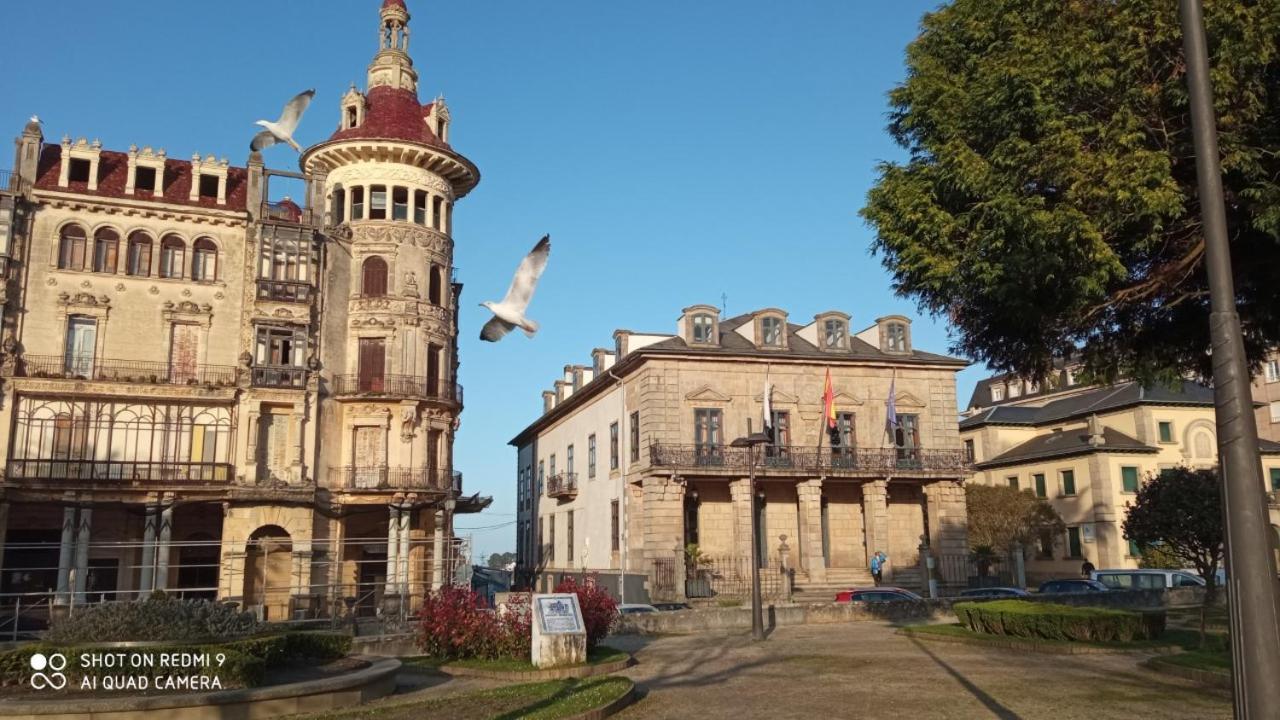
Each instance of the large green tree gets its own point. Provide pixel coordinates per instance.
(1001, 516)
(1048, 201)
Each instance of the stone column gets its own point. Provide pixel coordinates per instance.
(82, 554)
(393, 551)
(146, 574)
(163, 549)
(65, 550)
(402, 557)
(663, 529)
(740, 498)
(437, 550)
(809, 544)
(948, 525)
(875, 517)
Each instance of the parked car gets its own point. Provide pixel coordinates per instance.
(994, 592)
(1222, 575)
(1146, 579)
(670, 606)
(1072, 585)
(876, 594)
(636, 609)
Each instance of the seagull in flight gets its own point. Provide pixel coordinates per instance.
(282, 130)
(509, 313)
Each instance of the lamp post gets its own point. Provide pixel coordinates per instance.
(757, 611)
(1251, 572)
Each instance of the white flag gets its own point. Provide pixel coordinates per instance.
(768, 407)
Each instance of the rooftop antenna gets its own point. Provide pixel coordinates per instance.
(724, 303)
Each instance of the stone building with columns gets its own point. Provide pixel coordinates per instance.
(631, 461)
(211, 391)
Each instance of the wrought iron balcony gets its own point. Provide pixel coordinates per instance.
(396, 386)
(719, 459)
(119, 472)
(392, 478)
(563, 486)
(285, 290)
(130, 371)
(12, 182)
(286, 211)
(279, 376)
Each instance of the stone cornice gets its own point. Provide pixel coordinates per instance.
(142, 209)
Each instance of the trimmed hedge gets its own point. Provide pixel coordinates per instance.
(159, 617)
(1019, 618)
(244, 661)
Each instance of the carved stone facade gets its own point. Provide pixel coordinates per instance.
(174, 398)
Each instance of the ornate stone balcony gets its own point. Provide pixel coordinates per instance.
(797, 460)
(563, 486)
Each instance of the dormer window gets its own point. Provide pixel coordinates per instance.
(353, 117)
(997, 393)
(771, 332)
(79, 172)
(895, 337)
(704, 329)
(208, 186)
(146, 179)
(833, 334)
(1015, 389)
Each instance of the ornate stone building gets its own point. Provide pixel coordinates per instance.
(632, 460)
(209, 392)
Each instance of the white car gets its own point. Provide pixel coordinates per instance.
(636, 609)
(1125, 579)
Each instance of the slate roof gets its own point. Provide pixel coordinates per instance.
(1065, 444)
(113, 175)
(1102, 399)
(981, 396)
(731, 343)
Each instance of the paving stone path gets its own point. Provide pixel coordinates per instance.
(866, 670)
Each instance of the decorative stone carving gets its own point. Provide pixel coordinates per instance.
(86, 284)
(219, 296)
(186, 293)
(51, 282)
(120, 287)
(153, 290)
(246, 359)
(411, 285)
(282, 313)
(313, 363)
(83, 299)
(408, 420)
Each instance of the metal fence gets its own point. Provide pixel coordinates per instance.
(830, 461)
(730, 576)
(397, 386)
(965, 571)
(75, 367)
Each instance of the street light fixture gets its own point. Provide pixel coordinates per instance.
(757, 611)
(1251, 571)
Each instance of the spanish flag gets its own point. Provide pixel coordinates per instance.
(829, 402)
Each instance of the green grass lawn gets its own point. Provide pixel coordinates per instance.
(595, 656)
(539, 701)
(1180, 638)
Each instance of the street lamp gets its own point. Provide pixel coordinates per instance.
(757, 611)
(1251, 572)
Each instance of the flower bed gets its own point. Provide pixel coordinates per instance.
(1049, 621)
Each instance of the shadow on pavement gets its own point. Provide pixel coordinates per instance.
(991, 703)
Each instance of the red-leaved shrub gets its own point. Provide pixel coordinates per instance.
(598, 608)
(455, 625)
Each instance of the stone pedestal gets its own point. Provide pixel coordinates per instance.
(559, 635)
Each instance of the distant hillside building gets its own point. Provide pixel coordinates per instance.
(214, 394)
(632, 461)
(1086, 449)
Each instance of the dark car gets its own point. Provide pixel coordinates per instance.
(670, 606)
(876, 594)
(1072, 586)
(993, 592)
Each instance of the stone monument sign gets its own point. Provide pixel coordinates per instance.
(559, 635)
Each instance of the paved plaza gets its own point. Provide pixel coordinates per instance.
(866, 670)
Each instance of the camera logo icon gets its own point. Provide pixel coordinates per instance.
(55, 679)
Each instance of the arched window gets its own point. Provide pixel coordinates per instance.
(106, 247)
(71, 248)
(373, 282)
(139, 261)
(703, 329)
(435, 284)
(173, 256)
(204, 260)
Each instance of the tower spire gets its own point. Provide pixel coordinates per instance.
(392, 66)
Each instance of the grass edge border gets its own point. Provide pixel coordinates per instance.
(1044, 648)
(577, 672)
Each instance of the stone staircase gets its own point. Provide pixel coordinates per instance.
(837, 580)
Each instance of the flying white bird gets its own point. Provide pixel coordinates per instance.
(509, 314)
(282, 129)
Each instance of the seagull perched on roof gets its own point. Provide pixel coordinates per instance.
(282, 130)
(509, 314)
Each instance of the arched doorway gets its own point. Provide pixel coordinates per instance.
(268, 564)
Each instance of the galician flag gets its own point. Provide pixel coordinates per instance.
(829, 402)
(890, 407)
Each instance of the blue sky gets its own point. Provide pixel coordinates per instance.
(675, 151)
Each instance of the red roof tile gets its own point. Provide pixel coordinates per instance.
(392, 114)
(113, 172)
(396, 3)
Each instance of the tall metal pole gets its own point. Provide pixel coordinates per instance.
(1251, 570)
(757, 611)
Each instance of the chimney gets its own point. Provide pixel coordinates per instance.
(588, 374)
(621, 339)
(563, 391)
(601, 360)
(1096, 437)
(548, 401)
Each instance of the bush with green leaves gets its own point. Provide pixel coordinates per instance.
(1049, 621)
(160, 617)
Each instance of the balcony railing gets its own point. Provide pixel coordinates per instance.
(286, 211)
(796, 459)
(563, 485)
(392, 478)
(134, 371)
(12, 182)
(119, 471)
(279, 376)
(409, 386)
(284, 290)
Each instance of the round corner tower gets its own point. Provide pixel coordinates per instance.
(389, 322)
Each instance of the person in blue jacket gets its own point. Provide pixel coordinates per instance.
(877, 565)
